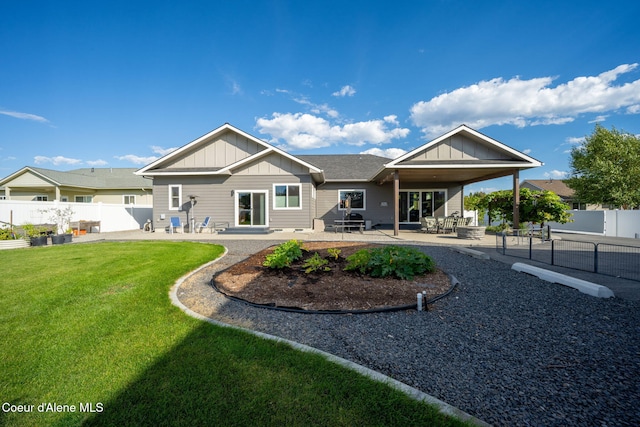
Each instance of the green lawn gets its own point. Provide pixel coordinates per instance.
(91, 326)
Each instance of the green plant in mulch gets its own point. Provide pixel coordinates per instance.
(334, 252)
(283, 255)
(401, 262)
(315, 263)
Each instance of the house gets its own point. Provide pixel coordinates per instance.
(237, 178)
(560, 188)
(88, 185)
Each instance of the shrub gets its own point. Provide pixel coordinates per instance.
(315, 263)
(398, 261)
(6, 234)
(284, 254)
(359, 261)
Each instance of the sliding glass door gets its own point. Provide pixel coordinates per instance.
(415, 204)
(251, 209)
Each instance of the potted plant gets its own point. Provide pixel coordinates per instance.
(68, 235)
(62, 219)
(37, 235)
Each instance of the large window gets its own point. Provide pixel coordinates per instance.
(287, 196)
(129, 200)
(357, 198)
(175, 197)
(83, 199)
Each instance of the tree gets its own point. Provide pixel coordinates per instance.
(605, 169)
(535, 206)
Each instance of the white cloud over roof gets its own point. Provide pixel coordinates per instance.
(306, 131)
(527, 102)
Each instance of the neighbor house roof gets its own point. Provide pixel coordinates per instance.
(97, 178)
(558, 186)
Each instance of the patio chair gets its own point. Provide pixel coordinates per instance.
(207, 224)
(428, 224)
(448, 224)
(176, 225)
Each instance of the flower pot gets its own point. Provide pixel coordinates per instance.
(68, 237)
(57, 239)
(38, 241)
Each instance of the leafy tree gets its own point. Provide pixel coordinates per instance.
(605, 169)
(535, 206)
(475, 202)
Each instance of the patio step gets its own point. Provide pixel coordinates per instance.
(239, 230)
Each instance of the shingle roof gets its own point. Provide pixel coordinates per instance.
(346, 166)
(556, 185)
(97, 177)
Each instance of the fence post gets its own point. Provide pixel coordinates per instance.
(530, 247)
(504, 243)
(553, 245)
(595, 257)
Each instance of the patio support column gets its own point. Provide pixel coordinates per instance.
(516, 200)
(396, 202)
(7, 193)
(57, 193)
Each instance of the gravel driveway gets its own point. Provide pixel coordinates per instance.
(505, 347)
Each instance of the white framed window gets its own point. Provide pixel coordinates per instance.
(287, 196)
(357, 198)
(129, 199)
(175, 197)
(41, 198)
(83, 199)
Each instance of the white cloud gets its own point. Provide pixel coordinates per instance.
(98, 162)
(24, 116)
(523, 103)
(527, 151)
(306, 131)
(345, 91)
(575, 140)
(599, 119)
(556, 174)
(162, 151)
(391, 153)
(57, 160)
(136, 160)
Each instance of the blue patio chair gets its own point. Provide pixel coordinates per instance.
(176, 225)
(206, 224)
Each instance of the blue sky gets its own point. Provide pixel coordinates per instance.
(118, 83)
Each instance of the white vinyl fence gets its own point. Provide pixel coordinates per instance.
(618, 223)
(112, 217)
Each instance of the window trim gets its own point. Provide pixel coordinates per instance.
(353, 190)
(170, 197)
(287, 185)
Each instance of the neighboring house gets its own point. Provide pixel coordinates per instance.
(559, 187)
(237, 178)
(89, 185)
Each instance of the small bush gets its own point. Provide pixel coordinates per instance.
(334, 252)
(284, 254)
(315, 263)
(359, 261)
(401, 262)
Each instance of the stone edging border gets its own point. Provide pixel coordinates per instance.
(412, 392)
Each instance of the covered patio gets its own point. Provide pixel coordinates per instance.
(460, 157)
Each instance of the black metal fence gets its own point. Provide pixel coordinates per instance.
(602, 258)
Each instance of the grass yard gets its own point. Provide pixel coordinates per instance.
(89, 337)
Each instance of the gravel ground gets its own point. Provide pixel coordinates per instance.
(505, 347)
